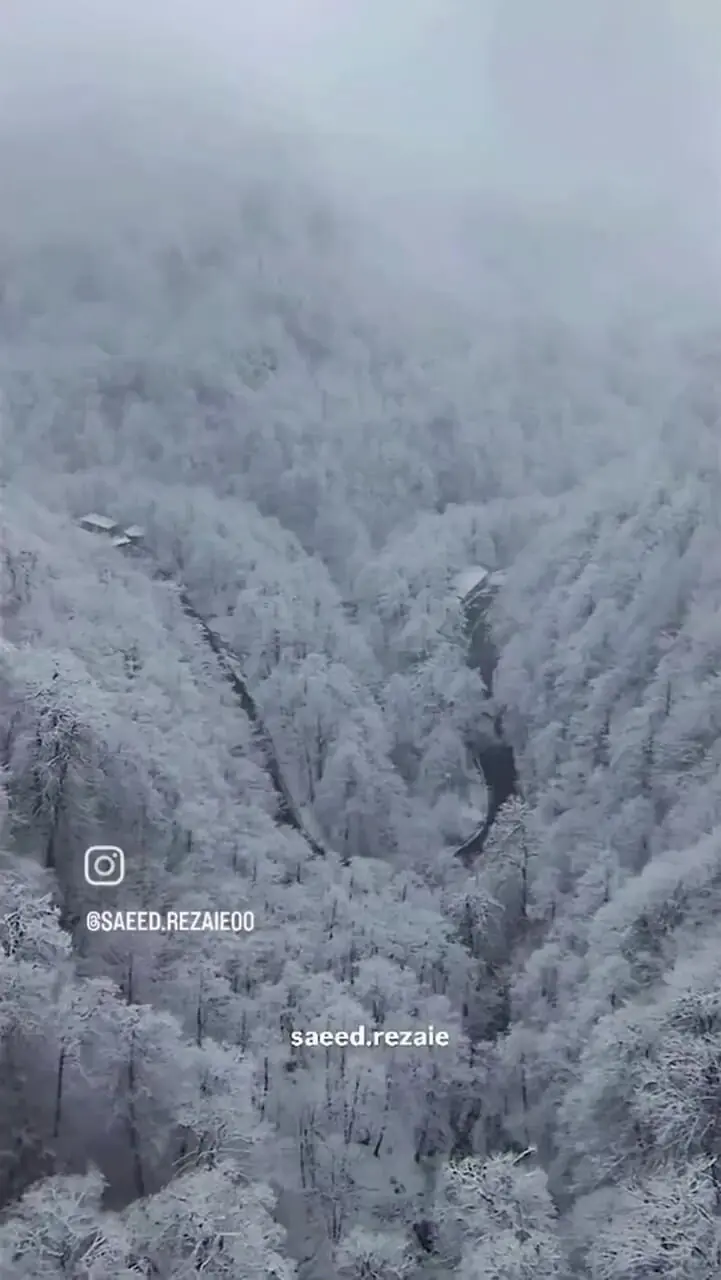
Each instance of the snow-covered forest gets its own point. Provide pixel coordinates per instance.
(335, 328)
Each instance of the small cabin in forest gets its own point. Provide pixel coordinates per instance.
(99, 524)
(123, 539)
(477, 582)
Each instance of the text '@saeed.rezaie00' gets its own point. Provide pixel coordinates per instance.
(170, 921)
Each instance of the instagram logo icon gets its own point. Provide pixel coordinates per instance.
(104, 864)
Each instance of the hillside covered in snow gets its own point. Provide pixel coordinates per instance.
(413, 476)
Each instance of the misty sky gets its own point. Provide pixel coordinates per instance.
(552, 94)
(610, 101)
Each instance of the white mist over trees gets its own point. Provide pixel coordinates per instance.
(335, 303)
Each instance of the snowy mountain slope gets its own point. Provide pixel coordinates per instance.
(321, 417)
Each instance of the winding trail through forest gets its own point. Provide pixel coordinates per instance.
(287, 813)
